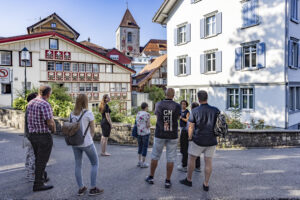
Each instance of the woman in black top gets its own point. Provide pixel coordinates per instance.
(106, 123)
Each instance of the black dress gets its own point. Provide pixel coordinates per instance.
(105, 126)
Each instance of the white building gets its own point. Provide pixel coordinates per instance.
(244, 53)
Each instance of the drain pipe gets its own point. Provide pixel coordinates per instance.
(286, 56)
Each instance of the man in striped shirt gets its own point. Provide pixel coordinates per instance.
(41, 124)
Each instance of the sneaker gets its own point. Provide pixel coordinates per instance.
(82, 191)
(197, 170)
(186, 182)
(95, 191)
(205, 188)
(149, 180)
(139, 164)
(182, 169)
(144, 165)
(168, 184)
(31, 178)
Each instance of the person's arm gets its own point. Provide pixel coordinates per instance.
(51, 125)
(191, 130)
(48, 117)
(92, 126)
(187, 117)
(107, 115)
(148, 122)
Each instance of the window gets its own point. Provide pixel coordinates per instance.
(118, 87)
(88, 87)
(249, 57)
(129, 37)
(68, 86)
(250, 13)
(5, 88)
(293, 53)
(58, 66)
(183, 93)
(294, 11)
(181, 34)
(75, 67)
(193, 96)
(6, 58)
(210, 62)
(182, 66)
(102, 68)
(233, 98)
(247, 98)
(95, 87)
(210, 26)
(53, 43)
(67, 67)
(109, 69)
(95, 68)
(75, 87)
(81, 87)
(112, 87)
(124, 87)
(292, 98)
(298, 98)
(114, 57)
(53, 25)
(50, 66)
(28, 63)
(89, 67)
(81, 67)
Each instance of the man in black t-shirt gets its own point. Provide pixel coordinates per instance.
(203, 140)
(166, 133)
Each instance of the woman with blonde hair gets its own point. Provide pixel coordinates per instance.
(86, 120)
(106, 123)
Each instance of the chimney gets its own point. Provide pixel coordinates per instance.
(89, 39)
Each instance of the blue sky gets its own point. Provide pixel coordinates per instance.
(97, 19)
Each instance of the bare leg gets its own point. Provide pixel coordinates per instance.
(170, 166)
(208, 169)
(143, 159)
(103, 146)
(140, 158)
(191, 167)
(153, 167)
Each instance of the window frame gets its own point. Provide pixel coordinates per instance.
(62, 67)
(212, 23)
(54, 25)
(88, 67)
(213, 60)
(240, 96)
(11, 60)
(52, 66)
(294, 11)
(295, 54)
(248, 94)
(182, 66)
(251, 52)
(64, 63)
(256, 13)
(77, 67)
(80, 65)
(50, 43)
(236, 98)
(181, 40)
(129, 34)
(107, 67)
(6, 85)
(20, 61)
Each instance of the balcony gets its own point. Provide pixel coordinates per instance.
(159, 81)
(72, 76)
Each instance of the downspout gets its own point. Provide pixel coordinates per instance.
(286, 63)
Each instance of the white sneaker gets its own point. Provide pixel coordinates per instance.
(182, 169)
(144, 165)
(139, 164)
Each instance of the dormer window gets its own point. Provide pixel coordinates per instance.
(53, 25)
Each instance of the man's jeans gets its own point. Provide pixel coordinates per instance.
(143, 142)
(93, 157)
(184, 145)
(42, 145)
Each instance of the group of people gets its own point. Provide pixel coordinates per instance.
(196, 137)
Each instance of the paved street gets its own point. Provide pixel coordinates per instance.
(247, 174)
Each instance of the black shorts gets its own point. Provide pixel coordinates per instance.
(106, 129)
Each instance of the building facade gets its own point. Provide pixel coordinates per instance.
(56, 58)
(244, 53)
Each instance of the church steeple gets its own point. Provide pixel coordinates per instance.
(128, 35)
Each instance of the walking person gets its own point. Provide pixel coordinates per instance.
(166, 133)
(143, 129)
(29, 152)
(40, 125)
(198, 160)
(184, 141)
(86, 124)
(106, 123)
(203, 140)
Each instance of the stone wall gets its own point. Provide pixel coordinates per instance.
(121, 133)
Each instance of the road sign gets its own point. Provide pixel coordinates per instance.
(4, 75)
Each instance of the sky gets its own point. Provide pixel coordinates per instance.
(97, 19)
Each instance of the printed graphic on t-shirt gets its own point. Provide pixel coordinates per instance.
(167, 114)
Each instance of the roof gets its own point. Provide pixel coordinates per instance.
(154, 46)
(95, 47)
(55, 34)
(163, 12)
(122, 60)
(128, 20)
(152, 53)
(155, 64)
(54, 15)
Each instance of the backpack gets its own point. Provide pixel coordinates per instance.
(73, 133)
(221, 127)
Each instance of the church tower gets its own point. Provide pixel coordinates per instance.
(128, 36)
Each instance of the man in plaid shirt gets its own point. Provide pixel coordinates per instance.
(41, 124)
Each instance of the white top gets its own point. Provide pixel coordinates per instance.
(142, 119)
(86, 118)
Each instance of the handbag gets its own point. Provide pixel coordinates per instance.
(134, 132)
(73, 132)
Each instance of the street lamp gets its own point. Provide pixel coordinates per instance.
(25, 57)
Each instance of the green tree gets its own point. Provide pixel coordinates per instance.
(156, 94)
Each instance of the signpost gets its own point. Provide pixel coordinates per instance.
(6, 77)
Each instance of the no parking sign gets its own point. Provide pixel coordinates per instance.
(4, 75)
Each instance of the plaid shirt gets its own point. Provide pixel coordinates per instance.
(38, 112)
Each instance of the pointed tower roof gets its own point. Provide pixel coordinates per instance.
(128, 20)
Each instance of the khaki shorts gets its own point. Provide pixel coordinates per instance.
(196, 150)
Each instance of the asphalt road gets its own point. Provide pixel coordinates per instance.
(237, 174)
